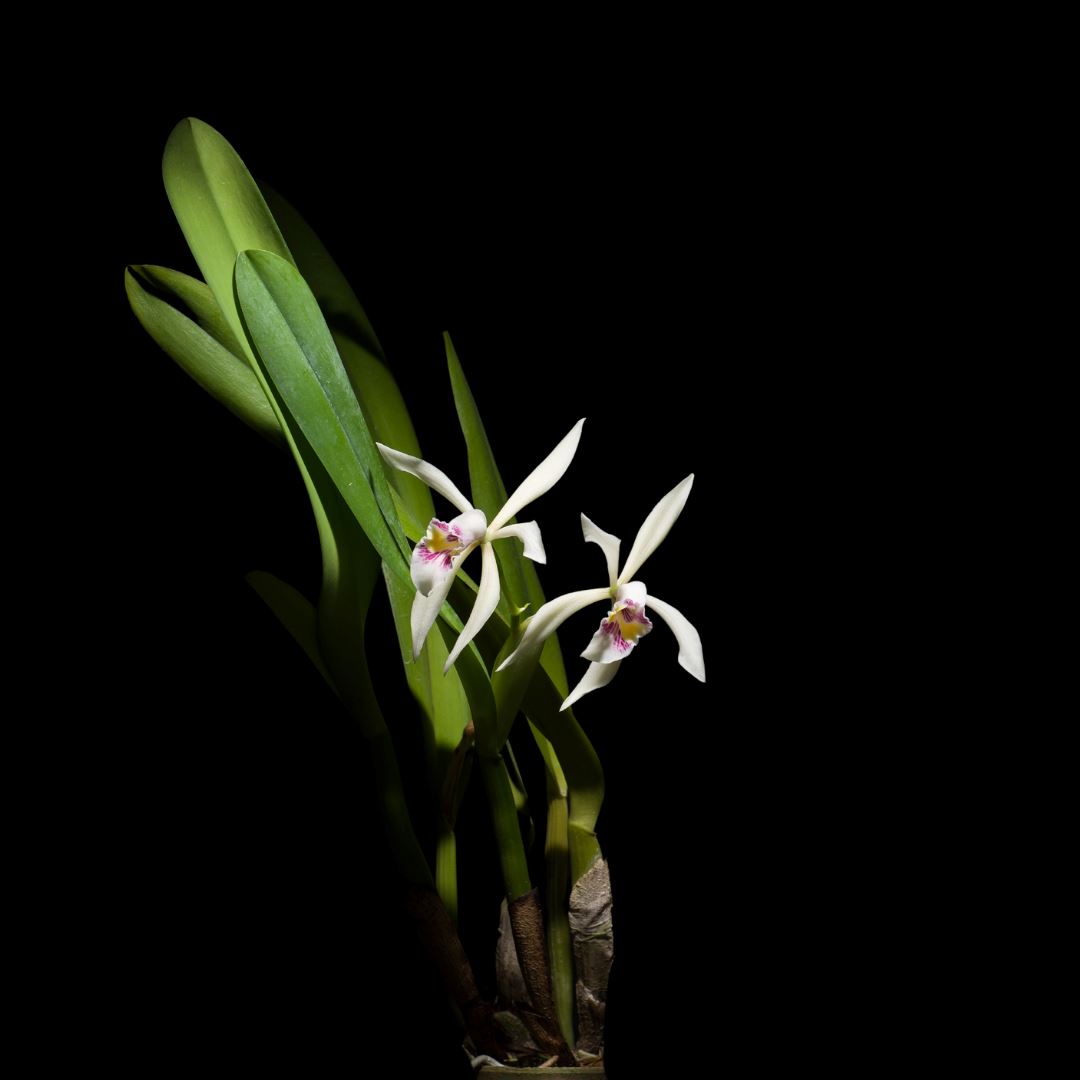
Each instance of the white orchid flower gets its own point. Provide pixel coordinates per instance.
(437, 558)
(626, 622)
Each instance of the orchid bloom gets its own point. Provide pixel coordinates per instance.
(438, 556)
(626, 622)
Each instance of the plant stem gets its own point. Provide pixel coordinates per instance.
(560, 947)
(504, 815)
(446, 879)
(584, 774)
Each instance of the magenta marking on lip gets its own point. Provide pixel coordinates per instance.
(614, 631)
(425, 553)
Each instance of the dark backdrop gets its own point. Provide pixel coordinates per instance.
(634, 266)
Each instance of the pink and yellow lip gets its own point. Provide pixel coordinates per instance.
(619, 632)
(440, 544)
(625, 623)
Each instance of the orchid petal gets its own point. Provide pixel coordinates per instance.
(425, 609)
(608, 544)
(550, 617)
(528, 532)
(635, 591)
(596, 676)
(544, 477)
(471, 525)
(487, 600)
(691, 656)
(435, 479)
(656, 526)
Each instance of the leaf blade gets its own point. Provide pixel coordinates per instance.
(219, 208)
(296, 351)
(361, 353)
(218, 370)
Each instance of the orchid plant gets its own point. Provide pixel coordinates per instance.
(254, 333)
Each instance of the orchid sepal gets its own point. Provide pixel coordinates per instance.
(656, 527)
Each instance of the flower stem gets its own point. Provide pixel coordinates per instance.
(446, 881)
(504, 814)
(560, 948)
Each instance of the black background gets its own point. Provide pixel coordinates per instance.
(643, 267)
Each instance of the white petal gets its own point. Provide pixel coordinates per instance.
(471, 525)
(690, 655)
(544, 477)
(608, 544)
(656, 526)
(425, 609)
(528, 532)
(550, 617)
(597, 675)
(633, 590)
(487, 600)
(435, 479)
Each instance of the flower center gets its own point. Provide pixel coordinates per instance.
(625, 623)
(441, 543)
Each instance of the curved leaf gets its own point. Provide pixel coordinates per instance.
(360, 351)
(295, 349)
(219, 207)
(295, 612)
(192, 342)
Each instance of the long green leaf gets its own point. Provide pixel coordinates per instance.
(488, 490)
(192, 335)
(294, 346)
(295, 612)
(489, 493)
(222, 213)
(219, 207)
(194, 298)
(444, 710)
(362, 355)
(322, 273)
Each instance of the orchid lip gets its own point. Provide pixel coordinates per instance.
(619, 632)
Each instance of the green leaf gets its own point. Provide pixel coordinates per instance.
(584, 776)
(219, 207)
(194, 299)
(327, 282)
(520, 581)
(222, 213)
(360, 351)
(488, 490)
(295, 349)
(179, 313)
(295, 612)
